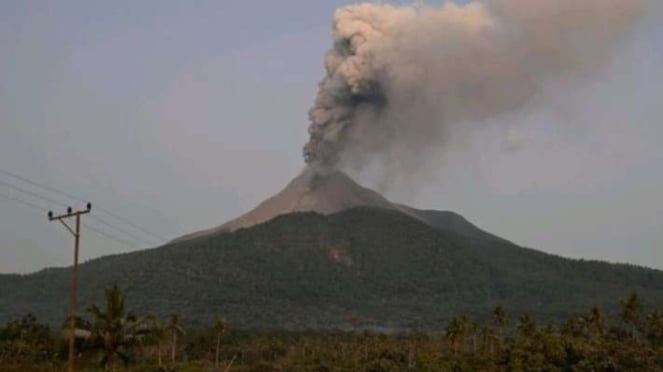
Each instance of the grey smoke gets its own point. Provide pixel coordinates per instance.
(399, 79)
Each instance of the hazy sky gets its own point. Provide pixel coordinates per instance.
(182, 115)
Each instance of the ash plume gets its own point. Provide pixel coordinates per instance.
(399, 78)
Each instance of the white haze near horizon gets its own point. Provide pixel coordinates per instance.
(180, 117)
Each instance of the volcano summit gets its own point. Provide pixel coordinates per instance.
(331, 191)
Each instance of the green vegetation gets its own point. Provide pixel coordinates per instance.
(588, 342)
(306, 271)
(175, 329)
(113, 331)
(220, 327)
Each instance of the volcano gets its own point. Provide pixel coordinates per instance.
(323, 192)
(331, 191)
(326, 250)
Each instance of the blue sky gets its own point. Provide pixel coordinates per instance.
(181, 115)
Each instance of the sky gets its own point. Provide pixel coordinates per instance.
(178, 116)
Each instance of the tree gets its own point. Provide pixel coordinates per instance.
(630, 313)
(25, 341)
(175, 328)
(594, 322)
(500, 320)
(655, 328)
(526, 326)
(488, 340)
(220, 326)
(114, 331)
(473, 328)
(572, 327)
(158, 334)
(456, 331)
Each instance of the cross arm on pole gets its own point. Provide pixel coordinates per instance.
(70, 213)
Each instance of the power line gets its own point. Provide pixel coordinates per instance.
(75, 198)
(108, 236)
(100, 220)
(25, 203)
(42, 209)
(45, 187)
(62, 193)
(125, 232)
(16, 188)
(127, 222)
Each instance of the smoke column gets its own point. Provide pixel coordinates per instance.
(398, 78)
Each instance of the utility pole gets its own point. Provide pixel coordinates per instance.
(74, 282)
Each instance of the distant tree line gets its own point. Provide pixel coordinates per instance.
(110, 337)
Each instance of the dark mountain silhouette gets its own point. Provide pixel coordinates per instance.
(337, 252)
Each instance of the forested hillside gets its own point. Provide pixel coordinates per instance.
(306, 270)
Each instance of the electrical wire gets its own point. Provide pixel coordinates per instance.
(27, 192)
(92, 228)
(75, 198)
(108, 236)
(41, 186)
(129, 223)
(103, 222)
(25, 203)
(117, 229)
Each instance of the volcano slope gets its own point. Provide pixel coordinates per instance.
(306, 270)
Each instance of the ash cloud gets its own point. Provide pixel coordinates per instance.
(400, 79)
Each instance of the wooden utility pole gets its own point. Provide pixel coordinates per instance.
(74, 281)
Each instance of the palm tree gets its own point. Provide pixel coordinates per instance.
(158, 334)
(594, 322)
(473, 328)
(220, 326)
(456, 330)
(488, 340)
(526, 325)
(630, 313)
(114, 331)
(175, 328)
(572, 327)
(655, 328)
(500, 320)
